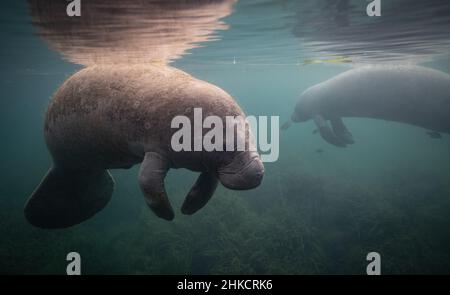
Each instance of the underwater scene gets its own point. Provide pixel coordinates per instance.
(351, 154)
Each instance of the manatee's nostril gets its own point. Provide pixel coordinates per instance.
(258, 178)
(244, 172)
(255, 175)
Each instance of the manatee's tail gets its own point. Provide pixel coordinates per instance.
(65, 198)
(286, 125)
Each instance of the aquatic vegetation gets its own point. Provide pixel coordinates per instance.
(293, 224)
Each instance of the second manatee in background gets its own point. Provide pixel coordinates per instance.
(409, 94)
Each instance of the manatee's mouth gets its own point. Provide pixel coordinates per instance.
(244, 172)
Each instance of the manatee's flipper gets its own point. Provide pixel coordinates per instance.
(200, 193)
(286, 125)
(341, 131)
(326, 132)
(151, 180)
(65, 197)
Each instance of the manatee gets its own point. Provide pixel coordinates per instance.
(408, 94)
(116, 116)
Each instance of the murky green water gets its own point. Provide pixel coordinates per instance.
(315, 212)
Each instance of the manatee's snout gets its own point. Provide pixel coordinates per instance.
(245, 171)
(300, 114)
(298, 117)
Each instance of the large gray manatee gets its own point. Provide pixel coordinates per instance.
(107, 117)
(409, 94)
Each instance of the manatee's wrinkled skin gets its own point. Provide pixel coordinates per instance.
(111, 115)
(107, 117)
(409, 94)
